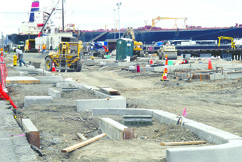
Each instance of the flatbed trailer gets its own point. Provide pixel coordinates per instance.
(229, 54)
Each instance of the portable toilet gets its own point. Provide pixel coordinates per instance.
(124, 48)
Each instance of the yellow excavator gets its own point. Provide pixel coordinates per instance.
(228, 38)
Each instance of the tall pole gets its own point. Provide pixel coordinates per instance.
(114, 24)
(62, 15)
(119, 4)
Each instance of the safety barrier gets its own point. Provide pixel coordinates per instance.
(3, 76)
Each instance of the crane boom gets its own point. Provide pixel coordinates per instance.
(156, 20)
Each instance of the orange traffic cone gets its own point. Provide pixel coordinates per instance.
(210, 64)
(151, 61)
(53, 67)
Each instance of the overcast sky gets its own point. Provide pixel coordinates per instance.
(95, 14)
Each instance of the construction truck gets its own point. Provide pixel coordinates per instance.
(138, 46)
(169, 50)
(66, 58)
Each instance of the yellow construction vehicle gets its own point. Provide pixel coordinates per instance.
(138, 46)
(228, 38)
(66, 58)
(30, 45)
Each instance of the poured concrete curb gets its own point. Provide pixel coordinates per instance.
(30, 100)
(22, 80)
(92, 89)
(13, 148)
(229, 146)
(89, 104)
(54, 93)
(49, 79)
(113, 129)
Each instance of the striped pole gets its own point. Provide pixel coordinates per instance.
(164, 76)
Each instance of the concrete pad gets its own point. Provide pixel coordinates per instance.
(22, 80)
(49, 79)
(89, 104)
(29, 100)
(54, 93)
(113, 129)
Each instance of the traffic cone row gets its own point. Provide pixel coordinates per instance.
(53, 67)
(164, 76)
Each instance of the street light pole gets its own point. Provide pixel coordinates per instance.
(119, 4)
(114, 24)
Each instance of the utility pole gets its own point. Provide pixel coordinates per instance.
(63, 16)
(119, 4)
(114, 24)
(2, 41)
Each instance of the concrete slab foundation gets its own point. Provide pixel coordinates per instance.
(30, 100)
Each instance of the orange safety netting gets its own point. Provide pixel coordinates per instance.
(3, 76)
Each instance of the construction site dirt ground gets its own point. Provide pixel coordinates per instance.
(215, 103)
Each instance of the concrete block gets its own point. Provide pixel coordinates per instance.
(63, 84)
(31, 132)
(137, 120)
(120, 111)
(22, 80)
(218, 76)
(113, 129)
(69, 89)
(29, 100)
(234, 75)
(49, 79)
(23, 73)
(54, 93)
(89, 104)
(220, 153)
(165, 117)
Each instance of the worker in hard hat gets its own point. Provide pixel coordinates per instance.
(43, 48)
(20, 57)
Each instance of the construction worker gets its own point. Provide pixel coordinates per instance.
(20, 57)
(43, 47)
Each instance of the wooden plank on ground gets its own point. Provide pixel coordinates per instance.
(84, 143)
(182, 143)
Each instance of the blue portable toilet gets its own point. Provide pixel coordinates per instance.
(124, 48)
